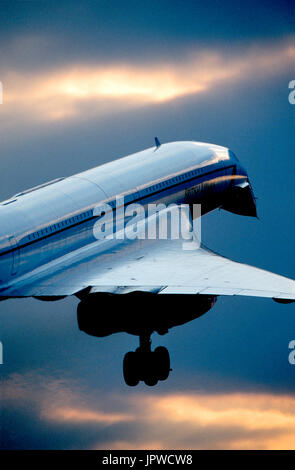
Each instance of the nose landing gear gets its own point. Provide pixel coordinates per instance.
(146, 365)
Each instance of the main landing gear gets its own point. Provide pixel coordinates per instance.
(145, 364)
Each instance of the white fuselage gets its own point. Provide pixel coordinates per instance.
(44, 223)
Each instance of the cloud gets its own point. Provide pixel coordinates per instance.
(84, 90)
(221, 421)
(153, 420)
(81, 415)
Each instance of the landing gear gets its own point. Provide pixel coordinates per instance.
(146, 365)
(162, 362)
(130, 369)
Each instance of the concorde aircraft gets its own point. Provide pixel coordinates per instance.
(55, 241)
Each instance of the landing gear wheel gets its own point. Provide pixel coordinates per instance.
(150, 373)
(151, 381)
(146, 365)
(162, 362)
(130, 369)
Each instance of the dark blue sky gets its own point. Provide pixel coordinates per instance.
(63, 389)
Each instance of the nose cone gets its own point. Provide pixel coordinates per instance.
(241, 200)
(248, 202)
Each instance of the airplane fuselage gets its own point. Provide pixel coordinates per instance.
(47, 222)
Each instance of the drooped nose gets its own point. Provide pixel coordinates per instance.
(241, 200)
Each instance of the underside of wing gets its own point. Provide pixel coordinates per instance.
(161, 266)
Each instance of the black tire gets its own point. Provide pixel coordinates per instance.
(130, 369)
(162, 361)
(150, 372)
(151, 380)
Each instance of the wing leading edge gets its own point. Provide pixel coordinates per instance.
(162, 266)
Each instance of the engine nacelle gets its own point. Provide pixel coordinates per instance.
(103, 314)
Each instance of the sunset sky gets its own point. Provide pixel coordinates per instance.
(88, 82)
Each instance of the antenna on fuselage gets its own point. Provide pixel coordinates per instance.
(157, 142)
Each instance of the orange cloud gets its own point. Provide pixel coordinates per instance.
(158, 421)
(129, 445)
(221, 421)
(195, 421)
(81, 415)
(76, 91)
